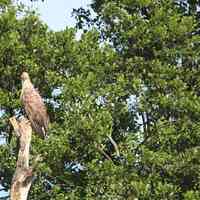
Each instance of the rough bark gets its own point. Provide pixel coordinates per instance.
(23, 175)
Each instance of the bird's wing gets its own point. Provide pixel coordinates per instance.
(36, 110)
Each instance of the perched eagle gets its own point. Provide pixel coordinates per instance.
(34, 106)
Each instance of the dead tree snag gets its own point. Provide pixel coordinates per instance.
(23, 175)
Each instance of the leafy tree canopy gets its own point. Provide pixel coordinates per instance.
(123, 100)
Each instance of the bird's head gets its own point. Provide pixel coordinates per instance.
(25, 76)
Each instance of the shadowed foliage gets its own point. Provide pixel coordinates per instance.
(123, 100)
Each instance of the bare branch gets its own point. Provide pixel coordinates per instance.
(103, 152)
(114, 144)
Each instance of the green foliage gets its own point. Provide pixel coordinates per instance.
(133, 77)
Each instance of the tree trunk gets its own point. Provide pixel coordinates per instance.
(23, 175)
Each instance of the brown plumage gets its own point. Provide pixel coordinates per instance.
(34, 106)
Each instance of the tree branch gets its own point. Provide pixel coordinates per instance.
(100, 149)
(114, 144)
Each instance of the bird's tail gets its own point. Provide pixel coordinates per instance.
(45, 135)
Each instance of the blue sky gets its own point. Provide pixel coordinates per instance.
(57, 14)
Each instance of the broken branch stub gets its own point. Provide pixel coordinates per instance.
(23, 175)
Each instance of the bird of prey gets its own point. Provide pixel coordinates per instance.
(34, 106)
